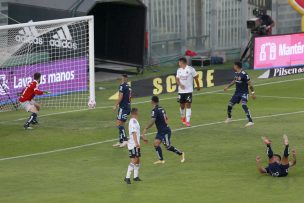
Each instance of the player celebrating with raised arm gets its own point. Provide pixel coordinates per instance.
(184, 78)
(134, 146)
(242, 82)
(124, 104)
(277, 167)
(27, 100)
(160, 119)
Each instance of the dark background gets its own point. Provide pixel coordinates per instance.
(119, 25)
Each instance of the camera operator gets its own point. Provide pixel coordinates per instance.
(266, 21)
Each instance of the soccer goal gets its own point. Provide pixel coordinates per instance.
(61, 50)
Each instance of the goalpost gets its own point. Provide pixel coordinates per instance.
(61, 50)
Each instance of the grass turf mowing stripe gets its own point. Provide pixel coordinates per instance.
(111, 140)
(143, 102)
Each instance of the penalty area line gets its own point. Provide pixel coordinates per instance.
(112, 140)
(268, 96)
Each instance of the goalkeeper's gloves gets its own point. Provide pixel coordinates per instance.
(46, 92)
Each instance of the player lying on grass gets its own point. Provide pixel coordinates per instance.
(134, 146)
(124, 104)
(277, 166)
(27, 100)
(163, 135)
(242, 82)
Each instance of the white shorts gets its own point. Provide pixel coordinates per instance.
(27, 105)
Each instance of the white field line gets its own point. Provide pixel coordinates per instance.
(268, 96)
(143, 102)
(111, 140)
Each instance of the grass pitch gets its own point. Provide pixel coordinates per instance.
(220, 159)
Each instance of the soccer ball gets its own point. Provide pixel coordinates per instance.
(92, 104)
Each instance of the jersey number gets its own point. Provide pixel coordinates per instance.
(26, 88)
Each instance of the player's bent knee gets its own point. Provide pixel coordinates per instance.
(135, 160)
(119, 123)
(188, 105)
(156, 144)
(33, 109)
(37, 107)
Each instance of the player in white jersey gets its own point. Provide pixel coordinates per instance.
(184, 77)
(134, 146)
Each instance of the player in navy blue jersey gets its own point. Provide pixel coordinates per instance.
(123, 104)
(277, 166)
(243, 83)
(160, 119)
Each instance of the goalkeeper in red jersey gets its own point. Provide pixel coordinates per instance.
(27, 102)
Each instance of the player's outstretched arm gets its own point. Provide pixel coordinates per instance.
(143, 137)
(230, 85)
(251, 89)
(294, 157)
(38, 92)
(197, 82)
(260, 168)
(151, 123)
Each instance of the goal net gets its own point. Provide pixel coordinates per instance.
(61, 50)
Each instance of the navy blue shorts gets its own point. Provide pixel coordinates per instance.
(122, 114)
(164, 137)
(237, 98)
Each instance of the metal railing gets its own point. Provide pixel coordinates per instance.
(198, 25)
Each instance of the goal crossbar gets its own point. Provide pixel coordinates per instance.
(61, 50)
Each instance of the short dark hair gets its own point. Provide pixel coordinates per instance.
(277, 155)
(238, 64)
(134, 111)
(183, 60)
(155, 99)
(125, 75)
(37, 76)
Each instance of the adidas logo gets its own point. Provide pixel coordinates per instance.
(29, 31)
(63, 39)
(29, 35)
